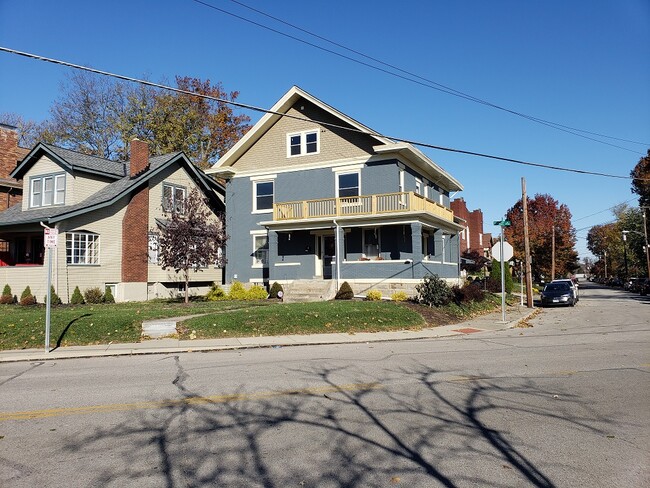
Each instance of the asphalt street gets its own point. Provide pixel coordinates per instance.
(563, 403)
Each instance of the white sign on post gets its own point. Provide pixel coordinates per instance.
(508, 251)
(51, 237)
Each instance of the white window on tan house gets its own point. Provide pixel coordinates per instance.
(154, 243)
(82, 248)
(260, 251)
(173, 198)
(301, 143)
(47, 190)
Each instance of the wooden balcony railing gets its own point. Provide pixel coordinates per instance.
(362, 205)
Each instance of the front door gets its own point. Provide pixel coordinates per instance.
(328, 250)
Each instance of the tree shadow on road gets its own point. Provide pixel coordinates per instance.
(421, 427)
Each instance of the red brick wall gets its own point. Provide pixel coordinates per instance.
(8, 150)
(135, 232)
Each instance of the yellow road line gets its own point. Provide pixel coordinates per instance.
(237, 397)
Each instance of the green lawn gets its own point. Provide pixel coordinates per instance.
(304, 318)
(24, 327)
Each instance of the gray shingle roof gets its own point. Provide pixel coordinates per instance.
(92, 163)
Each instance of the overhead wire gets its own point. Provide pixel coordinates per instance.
(412, 77)
(323, 123)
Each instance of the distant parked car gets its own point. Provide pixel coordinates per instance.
(572, 284)
(633, 284)
(558, 293)
(644, 287)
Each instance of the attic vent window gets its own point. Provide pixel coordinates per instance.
(302, 143)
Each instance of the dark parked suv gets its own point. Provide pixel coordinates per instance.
(558, 293)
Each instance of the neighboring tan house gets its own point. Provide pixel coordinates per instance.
(315, 195)
(107, 215)
(11, 154)
(472, 237)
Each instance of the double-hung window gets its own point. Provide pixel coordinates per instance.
(47, 190)
(348, 184)
(371, 240)
(301, 143)
(173, 198)
(82, 248)
(260, 251)
(263, 197)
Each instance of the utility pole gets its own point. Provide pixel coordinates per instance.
(645, 234)
(553, 252)
(605, 264)
(528, 273)
(625, 251)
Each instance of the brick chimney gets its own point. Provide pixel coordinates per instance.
(8, 149)
(135, 224)
(139, 156)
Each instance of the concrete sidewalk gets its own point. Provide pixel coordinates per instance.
(489, 322)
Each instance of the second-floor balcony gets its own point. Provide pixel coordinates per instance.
(363, 205)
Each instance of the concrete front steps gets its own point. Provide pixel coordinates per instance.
(309, 290)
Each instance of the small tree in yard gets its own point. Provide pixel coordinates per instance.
(192, 239)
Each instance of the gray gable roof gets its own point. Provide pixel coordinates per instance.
(94, 164)
(108, 195)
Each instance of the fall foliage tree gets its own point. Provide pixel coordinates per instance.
(641, 181)
(544, 213)
(192, 239)
(99, 116)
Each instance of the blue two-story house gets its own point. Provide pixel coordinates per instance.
(312, 194)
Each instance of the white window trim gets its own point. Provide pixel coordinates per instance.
(255, 183)
(97, 254)
(173, 187)
(418, 187)
(303, 142)
(56, 177)
(341, 173)
(255, 263)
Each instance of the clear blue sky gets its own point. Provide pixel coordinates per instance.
(583, 64)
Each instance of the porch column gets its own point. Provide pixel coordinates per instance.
(438, 246)
(454, 248)
(416, 242)
(340, 247)
(273, 253)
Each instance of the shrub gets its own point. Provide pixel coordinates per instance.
(345, 292)
(77, 297)
(54, 298)
(256, 292)
(399, 296)
(467, 294)
(26, 297)
(108, 295)
(373, 295)
(433, 291)
(6, 297)
(275, 288)
(237, 291)
(93, 295)
(216, 293)
(495, 274)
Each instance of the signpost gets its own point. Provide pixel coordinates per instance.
(51, 238)
(502, 252)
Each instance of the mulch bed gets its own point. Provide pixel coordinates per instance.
(432, 316)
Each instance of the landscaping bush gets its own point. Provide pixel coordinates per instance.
(495, 274)
(373, 295)
(399, 296)
(77, 297)
(108, 295)
(26, 297)
(6, 297)
(54, 298)
(345, 292)
(215, 293)
(493, 285)
(257, 292)
(433, 291)
(468, 293)
(275, 288)
(93, 295)
(238, 291)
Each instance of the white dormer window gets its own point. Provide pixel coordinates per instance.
(301, 143)
(47, 190)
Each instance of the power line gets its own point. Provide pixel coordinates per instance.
(412, 77)
(610, 208)
(303, 119)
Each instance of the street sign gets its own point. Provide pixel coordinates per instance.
(508, 251)
(502, 223)
(51, 237)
